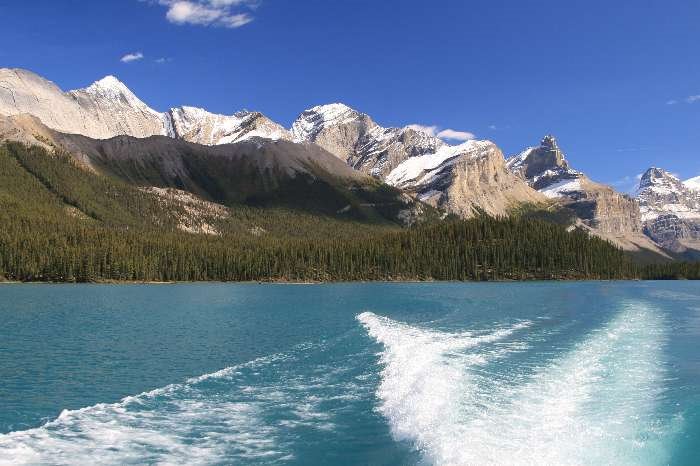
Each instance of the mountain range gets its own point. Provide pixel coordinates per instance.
(338, 161)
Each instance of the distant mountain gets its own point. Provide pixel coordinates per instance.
(670, 210)
(546, 169)
(199, 126)
(107, 108)
(464, 180)
(461, 179)
(334, 160)
(607, 213)
(255, 173)
(356, 139)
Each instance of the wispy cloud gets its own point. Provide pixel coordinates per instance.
(691, 99)
(431, 130)
(435, 131)
(219, 13)
(162, 60)
(131, 57)
(632, 149)
(455, 135)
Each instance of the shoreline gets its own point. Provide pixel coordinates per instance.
(326, 282)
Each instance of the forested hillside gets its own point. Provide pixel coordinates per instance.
(60, 222)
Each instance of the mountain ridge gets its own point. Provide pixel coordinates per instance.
(464, 179)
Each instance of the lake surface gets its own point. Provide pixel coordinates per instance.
(371, 374)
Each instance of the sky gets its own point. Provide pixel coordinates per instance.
(617, 82)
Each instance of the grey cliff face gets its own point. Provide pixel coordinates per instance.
(602, 208)
(670, 210)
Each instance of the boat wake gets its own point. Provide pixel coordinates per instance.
(246, 413)
(592, 404)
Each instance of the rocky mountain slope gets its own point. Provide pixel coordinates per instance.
(546, 169)
(199, 126)
(463, 180)
(670, 210)
(333, 156)
(257, 172)
(460, 179)
(356, 139)
(604, 211)
(107, 108)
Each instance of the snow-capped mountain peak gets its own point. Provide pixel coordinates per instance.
(108, 84)
(546, 169)
(660, 181)
(312, 121)
(662, 193)
(198, 125)
(111, 90)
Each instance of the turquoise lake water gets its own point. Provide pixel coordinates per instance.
(368, 374)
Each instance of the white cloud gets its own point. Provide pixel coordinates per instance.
(435, 131)
(429, 130)
(236, 21)
(220, 3)
(129, 57)
(223, 13)
(456, 135)
(691, 99)
(632, 149)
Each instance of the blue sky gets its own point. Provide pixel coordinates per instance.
(614, 80)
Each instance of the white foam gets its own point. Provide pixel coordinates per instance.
(210, 419)
(593, 405)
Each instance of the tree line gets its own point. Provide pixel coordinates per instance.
(59, 222)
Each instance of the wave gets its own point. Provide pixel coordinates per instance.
(239, 414)
(594, 404)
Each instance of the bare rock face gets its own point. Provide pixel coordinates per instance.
(673, 233)
(670, 210)
(604, 209)
(464, 180)
(601, 208)
(356, 139)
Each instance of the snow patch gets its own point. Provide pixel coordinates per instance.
(561, 188)
(419, 169)
(693, 183)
